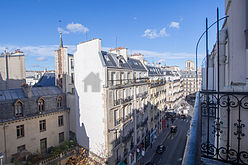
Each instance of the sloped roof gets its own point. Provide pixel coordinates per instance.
(154, 71)
(112, 60)
(47, 80)
(136, 64)
(18, 93)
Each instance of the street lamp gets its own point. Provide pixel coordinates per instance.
(205, 32)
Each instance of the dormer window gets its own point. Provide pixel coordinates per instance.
(19, 108)
(41, 104)
(59, 102)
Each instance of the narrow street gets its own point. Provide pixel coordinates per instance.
(175, 144)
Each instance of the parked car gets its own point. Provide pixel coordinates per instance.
(173, 129)
(160, 149)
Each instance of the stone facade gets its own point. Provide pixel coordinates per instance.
(22, 114)
(121, 102)
(12, 70)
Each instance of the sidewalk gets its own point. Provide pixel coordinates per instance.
(151, 151)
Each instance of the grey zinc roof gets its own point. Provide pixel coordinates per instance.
(13, 94)
(112, 60)
(136, 64)
(152, 70)
(48, 79)
(168, 73)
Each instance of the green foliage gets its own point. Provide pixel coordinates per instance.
(34, 158)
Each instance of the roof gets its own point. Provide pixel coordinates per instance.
(154, 71)
(112, 60)
(118, 61)
(18, 93)
(168, 73)
(47, 80)
(136, 64)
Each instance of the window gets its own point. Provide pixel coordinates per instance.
(41, 104)
(112, 78)
(116, 117)
(19, 108)
(43, 145)
(21, 148)
(60, 120)
(72, 78)
(42, 125)
(59, 102)
(124, 94)
(20, 131)
(72, 64)
(61, 137)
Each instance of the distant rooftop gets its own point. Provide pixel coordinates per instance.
(47, 80)
(18, 93)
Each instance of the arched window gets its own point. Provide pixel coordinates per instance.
(41, 104)
(19, 108)
(59, 102)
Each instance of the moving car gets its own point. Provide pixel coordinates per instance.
(160, 149)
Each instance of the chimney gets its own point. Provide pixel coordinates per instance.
(27, 90)
(159, 65)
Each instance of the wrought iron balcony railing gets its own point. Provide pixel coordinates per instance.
(219, 128)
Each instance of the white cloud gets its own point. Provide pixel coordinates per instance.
(35, 66)
(76, 28)
(161, 61)
(163, 32)
(62, 30)
(175, 25)
(37, 51)
(149, 33)
(42, 58)
(152, 33)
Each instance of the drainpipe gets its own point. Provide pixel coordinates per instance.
(246, 38)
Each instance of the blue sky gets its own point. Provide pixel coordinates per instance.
(163, 30)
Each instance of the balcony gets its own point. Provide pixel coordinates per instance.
(127, 137)
(218, 129)
(126, 82)
(116, 102)
(157, 83)
(118, 121)
(117, 141)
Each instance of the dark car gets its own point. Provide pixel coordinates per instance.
(160, 149)
(183, 116)
(173, 129)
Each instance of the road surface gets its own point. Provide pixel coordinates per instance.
(175, 144)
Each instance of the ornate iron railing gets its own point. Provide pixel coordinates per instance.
(224, 126)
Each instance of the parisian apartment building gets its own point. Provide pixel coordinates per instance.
(121, 101)
(233, 72)
(32, 119)
(114, 105)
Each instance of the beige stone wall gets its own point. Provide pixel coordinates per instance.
(32, 134)
(16, 71)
